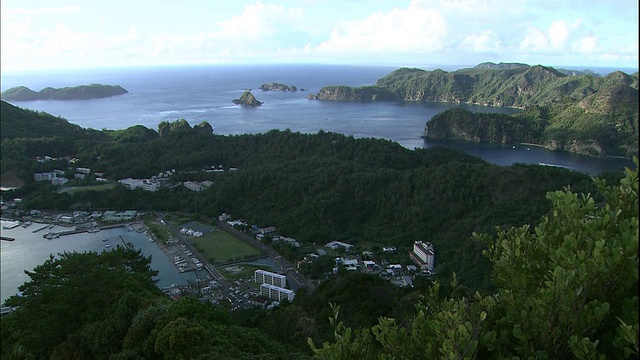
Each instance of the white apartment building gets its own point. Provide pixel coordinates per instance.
(276, 293)
(423, 255)
(266, 277)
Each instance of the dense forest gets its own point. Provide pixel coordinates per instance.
(321, 187)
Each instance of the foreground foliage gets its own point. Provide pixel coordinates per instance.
(567, 288)
(106, 306)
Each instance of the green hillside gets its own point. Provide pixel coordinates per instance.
(583, 112)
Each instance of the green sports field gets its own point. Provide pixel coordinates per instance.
(222, 247)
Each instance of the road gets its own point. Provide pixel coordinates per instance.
(285, 265)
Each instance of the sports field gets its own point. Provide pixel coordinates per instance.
(220, 247)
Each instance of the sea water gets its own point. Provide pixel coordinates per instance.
(205, 93)
(30, 249)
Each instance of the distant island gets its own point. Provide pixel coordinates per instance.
(83, 92)
(247, 99)
(575, 111)
(278, 87)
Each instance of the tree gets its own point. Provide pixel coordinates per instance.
(566, 289)
(87, 295)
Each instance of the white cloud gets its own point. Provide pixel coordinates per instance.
(558, 35)
(487, 41)
(442, 31)
(414, 29)
(259, 23)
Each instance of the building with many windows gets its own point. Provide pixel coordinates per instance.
(276, 293)
(266, 277)
(423, 255)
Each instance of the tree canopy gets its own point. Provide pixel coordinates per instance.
(567, 288)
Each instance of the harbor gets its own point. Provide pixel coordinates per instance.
(55, 235)
(28, 250)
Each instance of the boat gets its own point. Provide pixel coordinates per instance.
(26, 224)
(104, 239)
(107, 246)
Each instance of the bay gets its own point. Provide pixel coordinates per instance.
(29, 250)
(204, 93)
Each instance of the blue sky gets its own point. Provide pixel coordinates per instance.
(63, 34)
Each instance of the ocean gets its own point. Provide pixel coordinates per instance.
(205, 93)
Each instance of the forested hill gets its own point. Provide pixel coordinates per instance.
(16, 122)
(83, 92)
(314, 187)
(578, 111)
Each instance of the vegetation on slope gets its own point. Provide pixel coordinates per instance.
(584, 113)
(567, 289)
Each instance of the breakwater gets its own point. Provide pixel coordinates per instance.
(53, 235)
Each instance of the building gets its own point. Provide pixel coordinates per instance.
(59, 181)
(48, 176)
(79, 176)
(193, 186)
(268, 230)
(266, 277)
(276, 293)
(423, 255)
(85, 171)
(150, 185)
(336, 244)
(389, 249)
(130, 183)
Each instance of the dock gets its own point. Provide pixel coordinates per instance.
(51, 235)
(38, 229)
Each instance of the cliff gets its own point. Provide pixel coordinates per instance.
(83, 92)
(347, 93)
(460, 124)
(604, 123)
(583, 112)
(247, 99)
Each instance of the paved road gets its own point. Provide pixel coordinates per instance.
(285, 265)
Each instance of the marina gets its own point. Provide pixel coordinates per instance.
(22, 250)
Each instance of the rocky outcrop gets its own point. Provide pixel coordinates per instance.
(247, 99)
(347, 93)
(278, 87)
(83, 92)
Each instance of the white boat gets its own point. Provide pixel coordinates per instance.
(107, 246)
(104, 239)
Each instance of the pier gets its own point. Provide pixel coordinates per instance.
(38, 229)
(51, 235)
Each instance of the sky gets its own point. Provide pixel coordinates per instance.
(68, 34)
